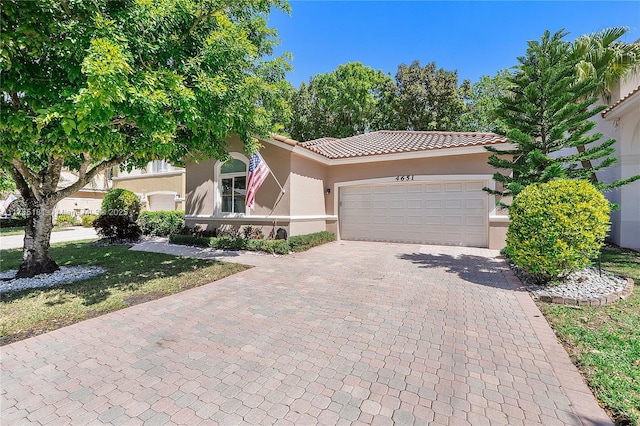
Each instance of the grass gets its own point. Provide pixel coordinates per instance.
(19, 230)
(132, 277)
(604, 342)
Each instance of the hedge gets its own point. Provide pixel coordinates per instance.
(296, 243)
(15, 222)
(161, 223)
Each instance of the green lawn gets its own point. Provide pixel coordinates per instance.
(604, 342)
(132, 277)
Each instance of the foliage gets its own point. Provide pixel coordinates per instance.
(299, 243)
(88, 219)
(557, 228)
(484, 100)
(132, 277)
(269, 246)
(296, 243)
(546, 111)
(161, 223)
(65, 219)
(601, 55)
(6, 182)
(122, 202)
(251, 232)
(116, 228)
(15, 222)
(89, 85)
(337, 104)
(429, 98)
(605, 341)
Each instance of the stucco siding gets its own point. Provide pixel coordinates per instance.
(307, 186)
(199, 188)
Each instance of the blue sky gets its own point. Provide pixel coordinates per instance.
(476, 38)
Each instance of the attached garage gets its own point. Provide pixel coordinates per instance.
(161, 200)
(446, 212)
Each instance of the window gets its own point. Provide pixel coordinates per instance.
(233, 184)
(160, 166)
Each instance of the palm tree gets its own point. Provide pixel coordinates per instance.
(605, 58)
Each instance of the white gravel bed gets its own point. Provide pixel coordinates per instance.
(588, 283)
(66, 275)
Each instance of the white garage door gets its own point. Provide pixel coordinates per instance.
(159, 202)
(441, 212)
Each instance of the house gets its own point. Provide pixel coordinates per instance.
(397, 186)
(86, 200)
(621, 120)
(160, 186)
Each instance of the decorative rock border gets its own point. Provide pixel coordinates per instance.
(593, 301)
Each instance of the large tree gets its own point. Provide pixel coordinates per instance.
(484, 100)
(547, 110)
(89, 85)
(429, 98)
(337, 104)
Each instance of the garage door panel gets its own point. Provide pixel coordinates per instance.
(454, 213)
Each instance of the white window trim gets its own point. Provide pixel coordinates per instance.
(217, 193)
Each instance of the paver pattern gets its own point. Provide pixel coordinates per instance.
(362, 333)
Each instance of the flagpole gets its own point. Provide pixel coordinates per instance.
(276, 179)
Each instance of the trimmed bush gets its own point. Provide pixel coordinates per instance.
(117, 228)
(297, 243)
(557, 228)
(15, 222)
(65, 220)
(87, 220)
(161, 223)
(269, 246)
(120, 202)
(305, 242)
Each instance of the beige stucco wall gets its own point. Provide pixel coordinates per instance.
(80, 203)
(270, 201)
(308, 187)
(148, 183)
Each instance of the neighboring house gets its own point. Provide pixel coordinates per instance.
(621, 121)
(397, 186)
(160, 185)
(86, 200)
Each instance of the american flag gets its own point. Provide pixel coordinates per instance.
(258, 172)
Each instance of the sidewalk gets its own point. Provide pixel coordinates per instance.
(75, 234)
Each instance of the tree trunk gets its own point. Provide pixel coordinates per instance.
(35, 253)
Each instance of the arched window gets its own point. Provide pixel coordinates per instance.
(233, 186)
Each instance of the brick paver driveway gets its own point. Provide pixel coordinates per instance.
(349, 332)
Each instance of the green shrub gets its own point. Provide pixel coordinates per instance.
(120, 202)
(14, 222)
(305, 242)
(65, 220)
(117, 228)
(161, 223)
(87, 220)
(297, 243)
(557, 228)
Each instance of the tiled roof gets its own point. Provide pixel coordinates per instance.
(622, 99)
(396, 141)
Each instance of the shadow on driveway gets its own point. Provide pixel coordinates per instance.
(476, 269)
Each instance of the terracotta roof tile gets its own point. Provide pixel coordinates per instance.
(395, 141)
(621, 100)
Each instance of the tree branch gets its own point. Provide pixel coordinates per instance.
(71, 189)
(21, 183)
(201, 18)
(28, 177)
